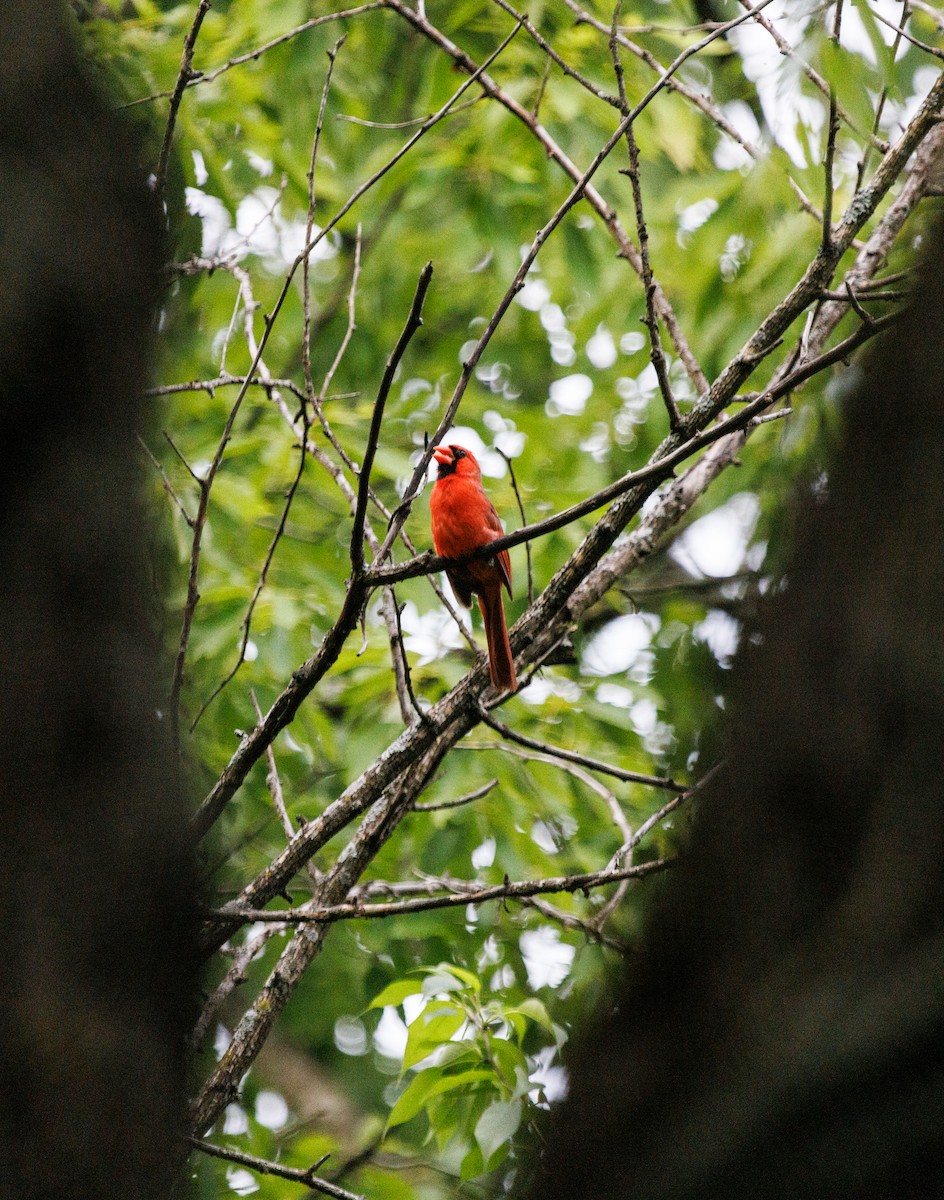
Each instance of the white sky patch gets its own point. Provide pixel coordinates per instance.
(631, 343)
(350, 1036)
(391, 1034)
(212, 212)
(776, 77)
(730, 155)
(547, 960)
(271, 1110)
(235, 1121)
(263, 166)
(644, 716)
(552, 318)
(429, 635)
(534, 295)
(552, 1079)
(413, 1006)
(503, 978)
(510, 442)
(201, 175)
(490, 953)
(484, 854)
(543, 836)
(716, 545)
(241, 1181)
(721, 632)
(614, 694)
(559, 337)
(221, 1040)
(569, 396)
(541, 689)
(597, 445)
(692, 217)
(601, 349)
(737, 251)
(261, 228)
(621, 644)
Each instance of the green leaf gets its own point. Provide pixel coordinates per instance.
(395, 993)
(426, 1084)
(442, 974)
(497, 1125)
(534, 1010)
(426, 1034)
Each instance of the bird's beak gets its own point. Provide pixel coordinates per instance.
(442, 455)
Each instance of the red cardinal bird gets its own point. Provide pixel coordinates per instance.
(463, 519)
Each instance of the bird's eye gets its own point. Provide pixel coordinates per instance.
(459, 452)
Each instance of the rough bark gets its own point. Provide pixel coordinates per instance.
(94, 877)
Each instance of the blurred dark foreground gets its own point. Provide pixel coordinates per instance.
(782, 1035)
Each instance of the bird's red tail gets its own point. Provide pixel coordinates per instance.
(501, 664)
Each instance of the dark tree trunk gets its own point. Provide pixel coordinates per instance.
(94, 872)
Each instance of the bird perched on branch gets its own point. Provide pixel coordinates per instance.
(463, 519)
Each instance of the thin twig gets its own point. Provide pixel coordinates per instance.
(656, 353)
(199, 77)
(306, 265)
(193, 595)
(831, 134)
(184, 77)
(168, 486)
(509, 890)
(880, 106)
(468, 798)
(234, 977)
(413, 322)
(409, 705)
(409, 124)
(246, 622)
(902, 33)
(582, 760)
(524, 521)
(264, 1167)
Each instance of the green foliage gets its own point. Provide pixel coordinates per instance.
(471, 1078)
(439, 1104)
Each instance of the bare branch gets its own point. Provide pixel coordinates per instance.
(605, 211)
(903, 33)
(581, 760)
(468, 798)
(198, 77)
(528, 259)
(312, 914)
(413, 322)
(262, 1167)
(184, 77)
(657, 355)
(306, 265)
(193, 595)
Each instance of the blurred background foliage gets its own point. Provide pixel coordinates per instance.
(566, 390)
